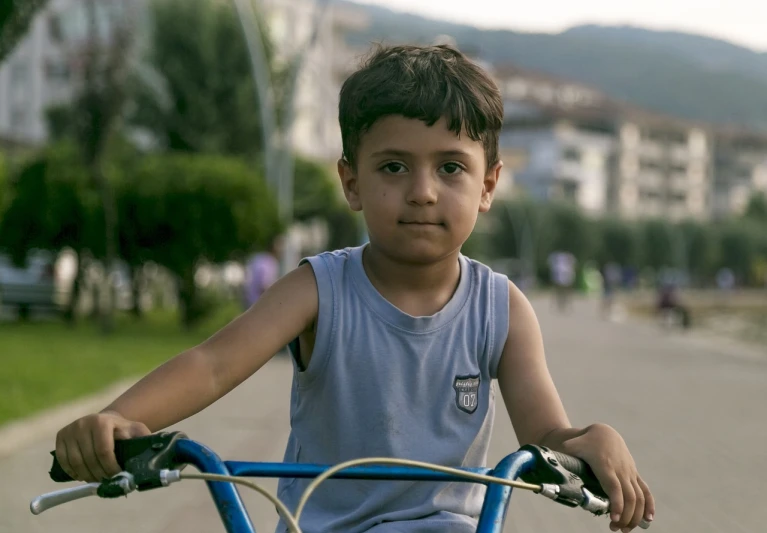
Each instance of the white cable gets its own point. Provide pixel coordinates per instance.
(281, 508)
(293, 519)
(405, 462)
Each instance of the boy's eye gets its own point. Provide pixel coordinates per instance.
(394, 168)
(452, 168)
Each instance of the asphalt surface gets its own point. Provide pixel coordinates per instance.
(691, 408)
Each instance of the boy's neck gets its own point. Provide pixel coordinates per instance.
(413, 288)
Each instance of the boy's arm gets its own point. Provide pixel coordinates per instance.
(198, 377)
(538, 417)
(192, 380)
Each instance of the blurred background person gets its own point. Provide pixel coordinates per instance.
(562, 268)
(262, 270)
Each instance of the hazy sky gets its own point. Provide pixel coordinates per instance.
(743, 22)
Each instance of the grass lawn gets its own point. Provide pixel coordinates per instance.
(44, 364)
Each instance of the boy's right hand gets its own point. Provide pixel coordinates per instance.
(85, 448)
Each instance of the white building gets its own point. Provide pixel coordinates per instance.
(40, 72)
(34, 76)
(663, 169)
(316, 132)
(605, 156)
(567, 141)
(740, 170)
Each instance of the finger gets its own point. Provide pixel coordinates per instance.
(629, 502)
(77, 463)
(649, 500)
(638, 508)
(612, 488)
(62, 457)
(89, 458)
(130, 431)
(104, 449)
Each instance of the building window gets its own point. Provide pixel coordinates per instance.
(648, 194)
(650, 166)
(18, 120)
(55, 30)
(57, 71)
(571, 153)
(678, 197)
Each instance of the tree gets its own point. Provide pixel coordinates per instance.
(95, 115)
(620, 242)
(181, 209)
(572, 231)
(4, 186)
(757, 208)
(657, 244)
(738, 245)
(51, 206)
(202, 98)
(699, 246)
(15, 19)
(317, 196)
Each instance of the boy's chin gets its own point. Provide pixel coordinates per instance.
(418, 252)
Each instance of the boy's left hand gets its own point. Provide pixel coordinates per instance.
(606, 453)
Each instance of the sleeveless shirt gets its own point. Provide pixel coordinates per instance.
(381, 382)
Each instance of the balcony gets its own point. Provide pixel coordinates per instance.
(650, 150)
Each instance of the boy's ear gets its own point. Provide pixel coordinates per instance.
(350, 184)
(489, 186)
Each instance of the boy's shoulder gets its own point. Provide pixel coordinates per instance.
(332, 257)
(345, 255)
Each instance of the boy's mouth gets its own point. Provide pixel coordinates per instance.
(417, 222)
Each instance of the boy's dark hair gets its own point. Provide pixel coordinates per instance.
(425, 83)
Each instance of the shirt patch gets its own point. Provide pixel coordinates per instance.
(466, 393)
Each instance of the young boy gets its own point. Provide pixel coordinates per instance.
(398, 341)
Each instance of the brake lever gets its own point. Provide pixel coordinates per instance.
(120, 485)
(59, 497)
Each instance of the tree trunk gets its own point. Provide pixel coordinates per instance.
(187, 299)
(107, 302)
(136, 276)
(70, 311)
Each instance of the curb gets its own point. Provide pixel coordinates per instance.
(17, 434)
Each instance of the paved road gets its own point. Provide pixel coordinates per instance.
(691, 409)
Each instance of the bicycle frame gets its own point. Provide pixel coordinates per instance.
(236, 519)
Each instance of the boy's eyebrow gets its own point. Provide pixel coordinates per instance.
(405, 153)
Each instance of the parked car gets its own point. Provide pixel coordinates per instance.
(30, 287)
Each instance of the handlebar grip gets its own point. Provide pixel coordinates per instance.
(124, 451)
(580, 468)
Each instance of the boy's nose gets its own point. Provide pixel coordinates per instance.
(423, 189)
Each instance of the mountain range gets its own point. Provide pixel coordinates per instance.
(680, 74)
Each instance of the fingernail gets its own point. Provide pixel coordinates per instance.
(650, 517)
(613, 528)
(626, 530)
(615, 517)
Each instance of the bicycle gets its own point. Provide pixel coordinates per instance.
(156, 461)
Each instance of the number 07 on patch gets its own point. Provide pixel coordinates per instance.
(466, 392)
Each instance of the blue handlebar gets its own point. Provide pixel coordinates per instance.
(235, 516)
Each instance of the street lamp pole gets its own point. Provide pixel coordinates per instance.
(287, 163)
(279, 159)
(262, 77)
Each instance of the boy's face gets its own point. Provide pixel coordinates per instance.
(420, 188)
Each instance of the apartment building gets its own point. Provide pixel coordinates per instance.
(40, 72)
(662, 168)
(740, 170)
(564, 134)
(603, 155)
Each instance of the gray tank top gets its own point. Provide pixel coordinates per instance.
(384, 383)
